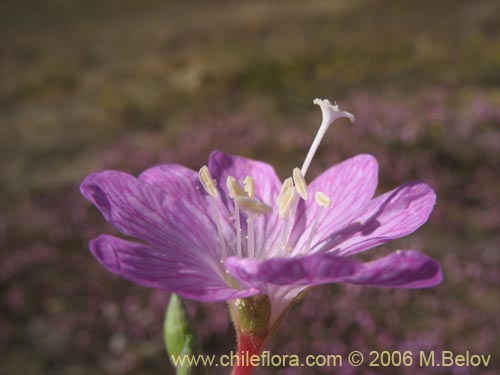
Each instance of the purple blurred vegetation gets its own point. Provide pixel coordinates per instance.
(424, 111)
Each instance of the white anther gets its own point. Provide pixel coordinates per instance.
(330, 113)
(208, 182)
(235, 189)
(253, 206)
(286, 202)
(323, 200)
(287, 184)
(249, 184)
(300, 184)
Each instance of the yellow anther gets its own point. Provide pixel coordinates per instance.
(323, 200)
(253, 206)
(287, 184)
(285, 204)
(249, 184)
(235, 189)
(208, 182)
(300, 184)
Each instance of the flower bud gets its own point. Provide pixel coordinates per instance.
(180, 338)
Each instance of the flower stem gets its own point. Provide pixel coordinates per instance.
(251, 321)
(248, 347)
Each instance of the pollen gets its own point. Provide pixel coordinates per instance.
(300, 184)
(253, 205)
(323, 200)
(287, 184)
(208, 182)
(286, 202)
(235, 189)
(249, 184)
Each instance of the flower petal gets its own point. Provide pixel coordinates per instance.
(306, 270)
(267, 186)
(402, 269)
(164, 269)
(184, 183)
(389, 216)
(146, 212)
(177, 180)
(350, 185)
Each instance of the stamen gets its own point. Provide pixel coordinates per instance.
(330, 114)
(249, 184)
(253, 205)
(324, 202)
(292, 200)
(236, 190)
(300, 184)
(210, 186)
(287, 184)
(285, 204)
(250, 237)
(208, 182)
(222, 242)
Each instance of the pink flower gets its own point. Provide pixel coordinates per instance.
(234, 230)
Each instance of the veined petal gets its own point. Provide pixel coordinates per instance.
(389, 216)
(402, 269)
(184, 183)
(267, 187)
(165, 269)
(144, 211)
(350, 185)
(296, 271)
(177, 180)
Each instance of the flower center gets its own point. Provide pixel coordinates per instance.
(293, 189)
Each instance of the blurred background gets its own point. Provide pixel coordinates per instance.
(86, 86)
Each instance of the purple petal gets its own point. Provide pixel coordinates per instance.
(402, 269)
(350, 185)
(146, 212)
(184, 183)
(177, 180)
(305, 270)
(389, 216)
(267, 187)
(168, 270)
